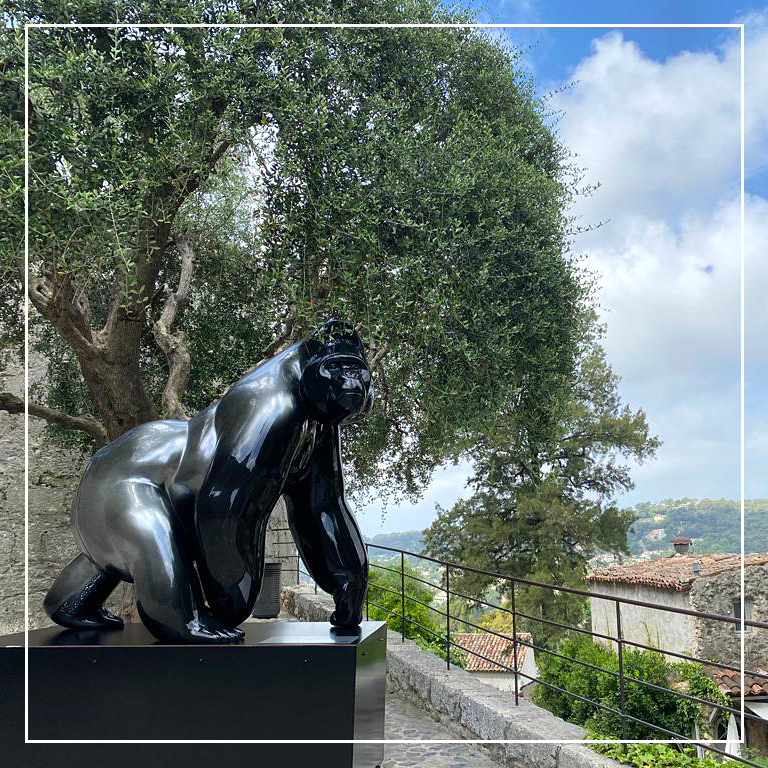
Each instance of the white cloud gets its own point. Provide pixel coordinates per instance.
(663, 139)
(755, 91)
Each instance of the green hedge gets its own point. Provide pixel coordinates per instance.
(421, 623)
(655, 756)
(662, 708)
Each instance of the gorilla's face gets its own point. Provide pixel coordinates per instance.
(337, 389)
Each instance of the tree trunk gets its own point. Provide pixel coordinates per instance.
(116, 386)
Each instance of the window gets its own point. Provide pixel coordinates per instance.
(737, 613)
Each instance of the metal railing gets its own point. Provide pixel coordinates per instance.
(513, 584)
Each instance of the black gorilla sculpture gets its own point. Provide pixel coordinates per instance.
(181, 508)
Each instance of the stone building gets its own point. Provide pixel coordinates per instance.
(494, 662)
(755, 703)
(704, 583)
(53, 476)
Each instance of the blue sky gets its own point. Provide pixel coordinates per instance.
(653, 115)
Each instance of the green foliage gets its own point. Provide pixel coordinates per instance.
(424, 626)
(653, 706)
(385, 604)
(12, 186)
(574, 678)
(404, 177)
(654, 755)
(543, 508)
(713, 524)
(662, 708)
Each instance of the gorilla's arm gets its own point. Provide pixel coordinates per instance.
(325, 530)
(255, 447)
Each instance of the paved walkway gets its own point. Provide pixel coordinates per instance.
(405, 721)
(402, 720)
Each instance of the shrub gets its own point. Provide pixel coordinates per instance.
(654, 755)
(575, 678)
(660, 707)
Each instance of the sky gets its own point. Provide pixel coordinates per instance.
(653, 115)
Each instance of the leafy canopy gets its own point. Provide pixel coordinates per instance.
(406, 178)
(542, 510)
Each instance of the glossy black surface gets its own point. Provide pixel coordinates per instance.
(262, 633)
(288, 680)
(180, 508)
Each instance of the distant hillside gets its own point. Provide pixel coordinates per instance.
(411, 541)
(714, 525)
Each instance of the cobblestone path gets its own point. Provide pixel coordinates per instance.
(405, 721)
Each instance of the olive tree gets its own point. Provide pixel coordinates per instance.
(202, 197)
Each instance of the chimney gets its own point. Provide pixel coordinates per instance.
(682, 544)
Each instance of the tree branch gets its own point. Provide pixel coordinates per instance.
(285, 334)
(174, 345)
(379, 354)
(14, 404)
(65, 306)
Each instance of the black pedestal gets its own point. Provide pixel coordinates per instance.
(288, 680)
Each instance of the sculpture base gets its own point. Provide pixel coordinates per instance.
(288, 680)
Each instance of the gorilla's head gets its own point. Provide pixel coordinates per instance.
(336, 381)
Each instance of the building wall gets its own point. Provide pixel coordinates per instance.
(720, 641)
(53, 476)
(669, 631)
(505, 681)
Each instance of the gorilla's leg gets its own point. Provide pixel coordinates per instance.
(75, 600)
(158, 558)
(332, 547)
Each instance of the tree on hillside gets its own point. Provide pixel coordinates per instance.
(200, 198)
(540, 512)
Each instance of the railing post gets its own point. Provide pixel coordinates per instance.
(620, 649)
(368, 558)
(514, 645)
(402, 596)
(448, 615)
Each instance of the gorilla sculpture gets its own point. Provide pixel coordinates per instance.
(180, 508)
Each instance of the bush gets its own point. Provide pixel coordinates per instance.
(660, 707)
(384, 590)
(574, 678)
(654, 755)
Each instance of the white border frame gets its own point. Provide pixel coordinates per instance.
(27, 740)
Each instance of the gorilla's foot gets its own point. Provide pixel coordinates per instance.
(208, 629)
(228, 634)
(76, 598)
(71, 618)
(345, 621)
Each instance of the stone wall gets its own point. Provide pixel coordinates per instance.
(280, 546)
(711, 640)
(467, 707)
(719, 641)
(11, 508)
(53, 475)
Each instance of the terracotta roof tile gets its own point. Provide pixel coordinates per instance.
(675, 571)
(494, 648)
(729, 682)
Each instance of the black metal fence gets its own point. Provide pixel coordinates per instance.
(621, 642)
(513, 584)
